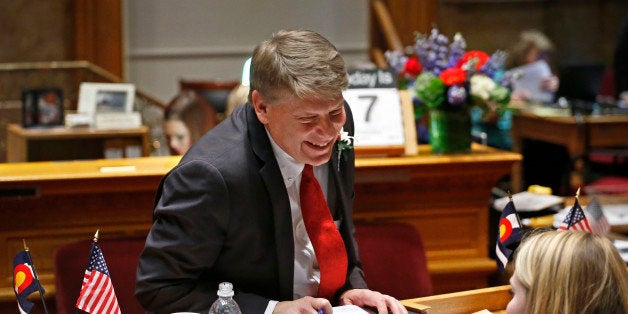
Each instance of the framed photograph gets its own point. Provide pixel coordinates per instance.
(95, 98)
(42, 107)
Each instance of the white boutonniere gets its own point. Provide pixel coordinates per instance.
(344, 143)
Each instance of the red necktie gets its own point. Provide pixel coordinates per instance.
(326, 240)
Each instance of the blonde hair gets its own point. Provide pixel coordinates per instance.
(571, 272)
(237, 97)
(300, 62)
(528, 40)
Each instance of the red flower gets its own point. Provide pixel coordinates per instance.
(413, 67)
(452, 76)
(481, 57)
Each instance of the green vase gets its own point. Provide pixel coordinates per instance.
(450, 131)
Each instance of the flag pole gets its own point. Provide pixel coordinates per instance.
(39, 288)
(513, 205)
(96, 235)
(576, 202)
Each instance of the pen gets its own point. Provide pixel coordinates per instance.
(320, 311)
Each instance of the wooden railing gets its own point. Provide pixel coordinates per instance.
(386, 28)
(66, 75)
(393, 24)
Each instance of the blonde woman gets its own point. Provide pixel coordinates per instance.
(568, 272)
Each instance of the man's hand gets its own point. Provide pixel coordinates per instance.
(365, 297)
(304, 305)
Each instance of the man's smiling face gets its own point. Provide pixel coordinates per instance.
(305, 129)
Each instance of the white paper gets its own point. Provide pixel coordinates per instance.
(350, 309)
(529, 81)
(529, 202)
(377, 116)
(622, 247)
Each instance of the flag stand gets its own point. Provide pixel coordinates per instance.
(40, 288)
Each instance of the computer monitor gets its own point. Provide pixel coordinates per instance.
(580, 81)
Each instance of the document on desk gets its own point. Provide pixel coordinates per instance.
(350, 309)
(529, 78)
(343, 309)
(529, 202)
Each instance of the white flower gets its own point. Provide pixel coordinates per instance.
(481, 86)
(344, 143)
(345, 138)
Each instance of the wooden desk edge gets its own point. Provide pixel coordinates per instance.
(492, 299)
(7, 294)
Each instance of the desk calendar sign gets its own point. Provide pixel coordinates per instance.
(382, 115)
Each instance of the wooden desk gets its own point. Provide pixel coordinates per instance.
(61, 143)
(445, 197)
(53, 203)
(576, 133)
(494, 299)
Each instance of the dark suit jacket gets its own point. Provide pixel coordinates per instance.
(223, 214)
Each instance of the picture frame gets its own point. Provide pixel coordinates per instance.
(42, 107)
(95, 98)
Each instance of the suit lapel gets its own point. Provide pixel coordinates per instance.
(271, 175)
(337, 168)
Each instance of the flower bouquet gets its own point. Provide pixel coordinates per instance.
(447, 81)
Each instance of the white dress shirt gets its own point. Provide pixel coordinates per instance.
(306, 272)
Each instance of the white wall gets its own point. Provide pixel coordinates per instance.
(194, 39)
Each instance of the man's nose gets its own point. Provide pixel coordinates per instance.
(327, 127)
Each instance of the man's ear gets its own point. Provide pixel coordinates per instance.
(261, 107)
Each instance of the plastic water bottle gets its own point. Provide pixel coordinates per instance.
(225, 304)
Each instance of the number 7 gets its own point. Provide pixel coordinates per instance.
(373, 100)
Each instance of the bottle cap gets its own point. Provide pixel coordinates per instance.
(225, 289)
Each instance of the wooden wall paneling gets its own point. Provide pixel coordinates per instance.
(581, 30)
(412, 16)
(98, 33)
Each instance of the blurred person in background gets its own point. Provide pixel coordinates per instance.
(186, 118)
(533, 48)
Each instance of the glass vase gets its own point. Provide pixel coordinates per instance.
(450, 131)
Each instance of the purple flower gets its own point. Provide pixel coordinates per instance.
(396, 59)
(456, 95)
(494, 64)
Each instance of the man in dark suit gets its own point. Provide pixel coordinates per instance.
(230, 211)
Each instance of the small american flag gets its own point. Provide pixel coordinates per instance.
(600, 224)
(97, 294)
(575, 219)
